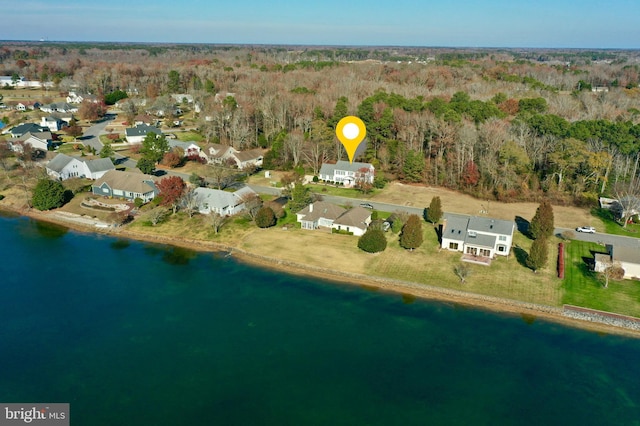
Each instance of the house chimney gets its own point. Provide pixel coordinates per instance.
(310, 207)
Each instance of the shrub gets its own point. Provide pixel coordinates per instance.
(48, 194)
(265, 217)
(138, 202)
(373, 241)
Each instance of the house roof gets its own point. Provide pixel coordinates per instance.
(249, 155)
(60, 106)
(494, 226)
(27, 127)
(173, 143)
(356, 217)
(625, 254)
(127, 181)
(457, 225)
(321, 209)
(480, 240)
(99, 165)
(142, 130)
(328, 169)
(218, 199)
(59, 162)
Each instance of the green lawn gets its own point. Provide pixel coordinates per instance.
(613, 227)
(339, 191)
(583, 287)
(189, 136)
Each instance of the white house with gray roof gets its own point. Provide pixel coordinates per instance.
(222, 202)
(137, 133)
(477, 236)
(64, 167)
(346, 173)
(628, 258)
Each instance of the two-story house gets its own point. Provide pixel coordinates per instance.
(477, 236)
(347, 174)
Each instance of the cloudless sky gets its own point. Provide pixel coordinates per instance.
(461, 23)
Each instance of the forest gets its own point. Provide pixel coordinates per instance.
(506, 124)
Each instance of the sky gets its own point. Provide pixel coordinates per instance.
(441, 23)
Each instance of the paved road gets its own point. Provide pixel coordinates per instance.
(91, 136)
(601, 238)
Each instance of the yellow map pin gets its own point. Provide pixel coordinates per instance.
(350, 132)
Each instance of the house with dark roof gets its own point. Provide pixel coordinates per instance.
(477, 236)
(627, 257)
(346, 173)
(53, 122)
(137, 133)
(126, 185)
(249, 158)
(355, 220)
(222, 202)
(21, 129)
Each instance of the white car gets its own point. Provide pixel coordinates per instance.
(587, 229)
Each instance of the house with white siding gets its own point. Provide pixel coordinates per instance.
(477, 236)
(346, 173)
(137, 133)
(222, 202)
(627, 257)
(64, 167)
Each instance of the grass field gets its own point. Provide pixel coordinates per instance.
(583, 287)
(613, 227)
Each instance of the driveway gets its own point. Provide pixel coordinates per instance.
(91, 136)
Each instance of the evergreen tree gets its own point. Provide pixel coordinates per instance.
(265, 217)
(413, 168)
(538, 255)
(108, 152)
(372, 241)
(48, 194)
(411, 236)
(434, 212)
(146, 165)
(154, 147)
(542, 223)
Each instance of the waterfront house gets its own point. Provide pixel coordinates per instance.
(355, 220)
(39, 141)
(64, 167)
(347, 174)
(319, 214)
(627, 257)
(477, 236)
(222, 202)
(126, 185)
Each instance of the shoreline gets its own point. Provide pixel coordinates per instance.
(397, 287)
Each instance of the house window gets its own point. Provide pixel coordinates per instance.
(485, 252)
(453, 246)
(502, 249)
(502, 238)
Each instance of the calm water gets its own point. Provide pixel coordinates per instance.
(136, 334)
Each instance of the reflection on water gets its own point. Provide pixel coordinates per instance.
(171, 254)
(50, 230)
(120, 244)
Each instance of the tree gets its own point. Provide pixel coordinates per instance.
(252, 204)
(372, 241)
(611, 270)
(470, 174)
(174, 85)
(627, 205)
(157, 215)
(413, 169)
(5, 153)
(462, 271)
(542, 223)
(48, 194)
(74, 129)
(434, 212)
(189, 202)
(265, 218)
(171, 190)
(216, 221)
(172, 159)
(108, 152)
(221, 177)
(154, 147)
(91, 110)
(146, 165)
(196, 179)
(538, 255)
(411, 236)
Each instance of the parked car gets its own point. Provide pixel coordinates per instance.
(587, 229)
(366, 206)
